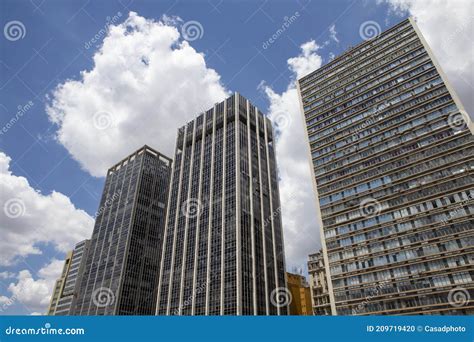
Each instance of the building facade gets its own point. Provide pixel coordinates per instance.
(392, 154)
(318, 284)
(122, 267)
(223, 246)
(67, 287)
(300, 300)
(59, 285)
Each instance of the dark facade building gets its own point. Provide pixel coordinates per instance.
(223, 246)
(392, 154)
(67, 286)
(122, 267)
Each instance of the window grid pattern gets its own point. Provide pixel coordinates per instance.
(378, 123)
(231, 248)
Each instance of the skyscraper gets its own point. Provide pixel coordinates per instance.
(122, 267)
(67, 286)
(223, 245)
(392, 157)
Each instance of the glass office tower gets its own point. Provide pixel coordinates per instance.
(67, 287)
(121, 274)
(223, 246)
(392, 154)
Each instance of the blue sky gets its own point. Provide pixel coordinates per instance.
(53, 52)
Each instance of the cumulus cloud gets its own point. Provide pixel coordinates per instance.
(146, 82)
(307, 61)
(448, 27)
(28, 218)
(34, 294)
(6, 275)
(301, 230)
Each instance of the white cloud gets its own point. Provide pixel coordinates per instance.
(448, 27)
(27, 218)
(307, 61)
(35, 294)
(301, 231)
(145, 83)
(6, 275)
(333, 33)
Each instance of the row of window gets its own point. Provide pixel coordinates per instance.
(404, 255)
(373, 48)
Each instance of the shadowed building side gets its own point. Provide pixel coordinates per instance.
(122, 267)
(223, 246)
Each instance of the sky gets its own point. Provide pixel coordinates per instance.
(83, 84)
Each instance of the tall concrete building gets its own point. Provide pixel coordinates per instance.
(122, 267)
(59, 285)
(67, 286)
(393, 160)
(223, 246)
(318, 284)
